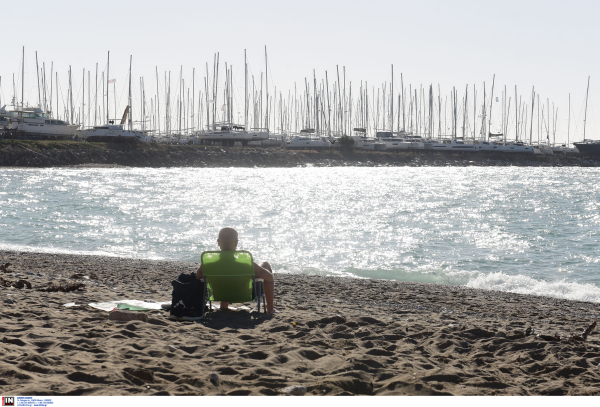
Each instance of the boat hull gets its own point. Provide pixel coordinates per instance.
(588, 148)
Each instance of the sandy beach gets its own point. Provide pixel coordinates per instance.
(333, 336)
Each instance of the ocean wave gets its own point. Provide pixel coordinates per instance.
(521, 284)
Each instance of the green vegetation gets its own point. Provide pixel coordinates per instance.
(346, 143)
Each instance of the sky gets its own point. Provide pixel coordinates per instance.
(546, 45)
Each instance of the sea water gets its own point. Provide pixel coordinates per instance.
(524, 230)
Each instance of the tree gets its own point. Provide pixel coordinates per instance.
(346, 143)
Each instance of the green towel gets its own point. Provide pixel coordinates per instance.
(132, 307)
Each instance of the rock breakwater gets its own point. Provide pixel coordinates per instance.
(67, 153)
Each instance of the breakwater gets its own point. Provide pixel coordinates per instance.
(66, 153)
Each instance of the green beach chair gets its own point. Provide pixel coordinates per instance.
(229, 277)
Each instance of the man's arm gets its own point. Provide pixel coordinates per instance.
(199, 275)
(261, 272)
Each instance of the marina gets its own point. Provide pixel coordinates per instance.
(325, 116)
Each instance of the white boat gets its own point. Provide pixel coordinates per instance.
(266, 139)
(440, 145)
(369, 143)
(453, 145)
(563, 149)
(393, 142)
(228, 135)
(112, 133)
(307, 140)
(488, 146)
(396, 143)
(273, 140)
(517, 147)
(33, 123)
(460, 145)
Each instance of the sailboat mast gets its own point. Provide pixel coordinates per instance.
(70, 95)
(491, 105)
(403, 103)
(532, 107)
(129, 121)
(51, 84)
(266, 91)
(37, 69)
(392, 104)
(95, 97)
(430, 111)
(44, 86)
(245, 92)
(483, 116)
(83, 100)
(548, 125)
(516, 116)
(439, 112)
(465, 112)
(23, 81)
(107, 80)
(474, 111)
(207, 101)
(569, 123)
(157, 103)
(316, 104)
(454, 113)
(586, 104)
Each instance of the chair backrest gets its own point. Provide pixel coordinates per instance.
(228, 275)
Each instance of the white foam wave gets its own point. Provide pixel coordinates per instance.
(527, 285)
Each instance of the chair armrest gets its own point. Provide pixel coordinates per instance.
(259, 280)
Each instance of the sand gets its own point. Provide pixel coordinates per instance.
(333, 336)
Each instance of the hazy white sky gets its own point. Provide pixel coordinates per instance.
(551, 45)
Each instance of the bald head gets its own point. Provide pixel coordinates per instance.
(228, 239)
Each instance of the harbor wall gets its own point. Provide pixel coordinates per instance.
(20, 153)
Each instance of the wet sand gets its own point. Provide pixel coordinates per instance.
(333, 336)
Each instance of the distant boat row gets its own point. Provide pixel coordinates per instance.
(33, 123)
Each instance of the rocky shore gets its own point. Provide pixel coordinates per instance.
(18, 153)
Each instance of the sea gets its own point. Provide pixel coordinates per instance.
(522, 230)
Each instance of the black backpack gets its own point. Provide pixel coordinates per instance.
(188, 296)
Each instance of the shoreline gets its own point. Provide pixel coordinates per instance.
(44, 154)
(333, 335)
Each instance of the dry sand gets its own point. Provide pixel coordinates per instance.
(333, 336)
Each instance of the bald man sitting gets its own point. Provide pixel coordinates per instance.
(228, 240)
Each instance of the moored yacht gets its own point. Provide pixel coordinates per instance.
(307, 139)
(488, 146)
(364, 142)
(228, 134)
(453, 145)
(112, 133)
(590, 147)
(33, 123)
(369, 143)
(517, 147)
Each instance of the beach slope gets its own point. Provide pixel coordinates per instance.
(333, 336)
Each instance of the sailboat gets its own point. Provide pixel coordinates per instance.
(110, 132)
(591, 147)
